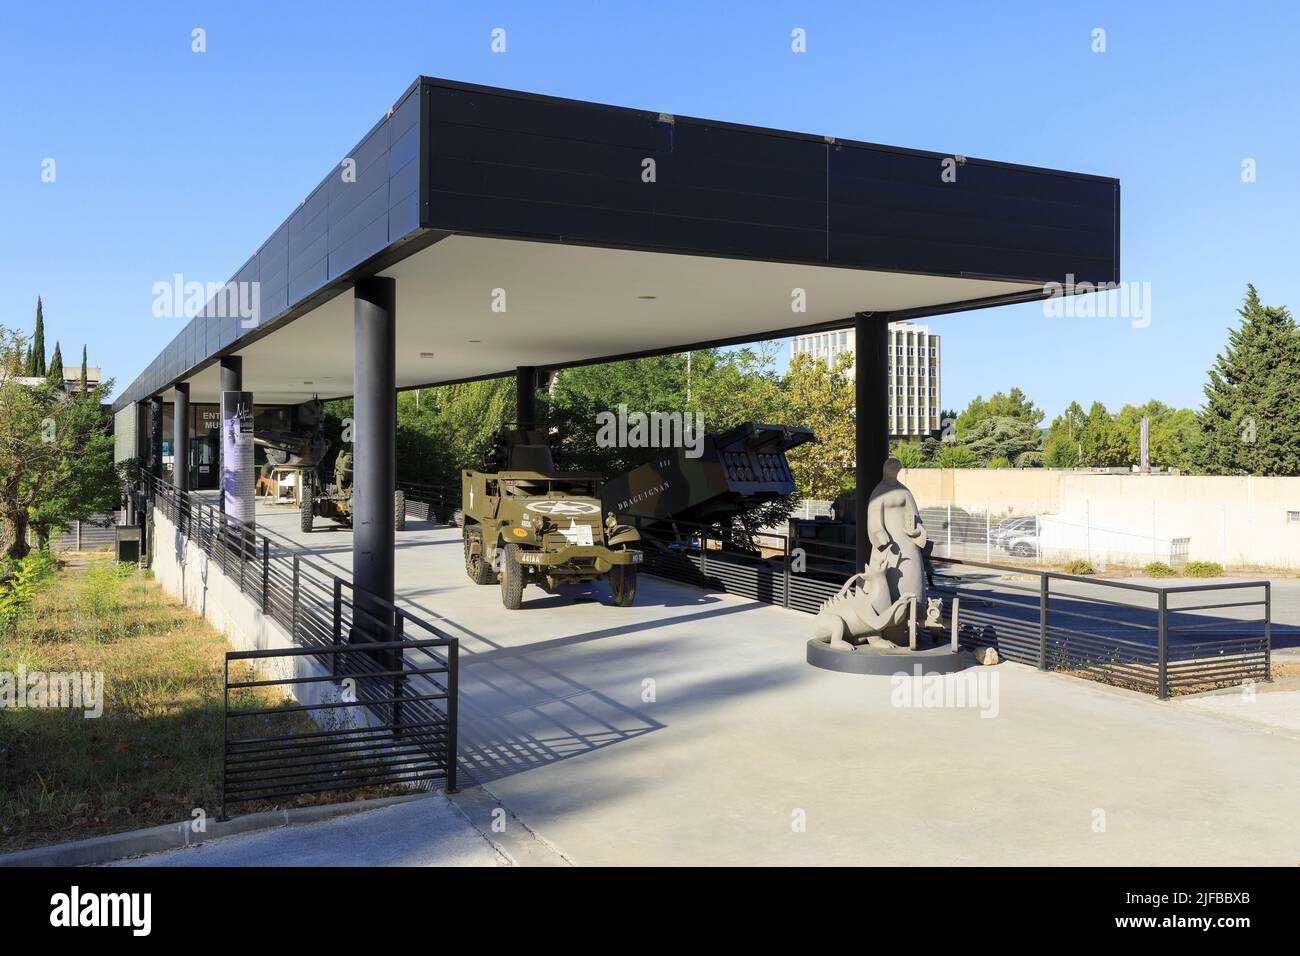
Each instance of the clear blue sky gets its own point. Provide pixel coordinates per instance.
(149, 138)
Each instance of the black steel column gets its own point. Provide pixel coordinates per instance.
(871, 363)
(141, 424)
(156, 436)
(232, 374)
(526, 395)
(181, 437)
(374, 443)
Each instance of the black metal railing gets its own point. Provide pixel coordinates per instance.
(758, 565)
(391, 723)
(345, 635)
(1151, 638)
(429, 502)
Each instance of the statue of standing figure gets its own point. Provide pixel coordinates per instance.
(879, 605)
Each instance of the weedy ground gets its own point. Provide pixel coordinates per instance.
(155, 755)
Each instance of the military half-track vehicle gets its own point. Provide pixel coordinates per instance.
(524, 523)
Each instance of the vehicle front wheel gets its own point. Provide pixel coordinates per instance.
(512, 578)
(622, 584)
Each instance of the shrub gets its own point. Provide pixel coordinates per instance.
(1079, 566)
(1029, 459)
(999, 461)
(955, 456)
(1158, 569)
(1202, 569)
(19, 582)
(908, 454)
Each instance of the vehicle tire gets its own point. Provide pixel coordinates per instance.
(1022, 550)
(479, 571)
(399, 510)
(306, 511)
(512, 578)
(622, 584)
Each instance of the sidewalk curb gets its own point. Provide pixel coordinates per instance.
(171, 836)
(1277, 685)
(515, 840)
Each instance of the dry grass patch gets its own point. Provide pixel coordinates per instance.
(155, 755)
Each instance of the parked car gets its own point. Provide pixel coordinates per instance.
(1011, 528)
(1023, 544)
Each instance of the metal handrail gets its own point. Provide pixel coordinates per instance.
(297, 592)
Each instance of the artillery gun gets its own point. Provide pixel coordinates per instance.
(524, 523)
(302, 450)
(736, 471)
(684, 502)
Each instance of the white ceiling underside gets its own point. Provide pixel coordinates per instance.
(564, 304)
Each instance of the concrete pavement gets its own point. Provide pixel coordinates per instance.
(689, 730)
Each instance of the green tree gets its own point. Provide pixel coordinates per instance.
(84, 483)
(36, 357)
(1176, 439)
(55, 371)
(1001, 436)
(1013, 404)
(821, 397)
(56, 459)
(1061, 444)
(1174, 434)
(578, 395)
(1252, 400)
(727, 387)
(467, 416)
(85, 371)
(908, 453)
(1102, 442)
(956, 456)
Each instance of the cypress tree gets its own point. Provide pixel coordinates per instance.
(36, 364)
(83, 370)
(55, 372)
(1250, 423)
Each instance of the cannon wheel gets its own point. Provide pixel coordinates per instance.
(306, 508)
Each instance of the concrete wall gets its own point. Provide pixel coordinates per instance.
(182, 570)
(1238, 522)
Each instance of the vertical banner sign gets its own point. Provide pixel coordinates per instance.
(237, 485)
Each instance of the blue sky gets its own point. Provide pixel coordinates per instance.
(149, 137)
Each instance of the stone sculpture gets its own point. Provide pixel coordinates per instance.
(879, 606)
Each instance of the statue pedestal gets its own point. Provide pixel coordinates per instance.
(865, 659)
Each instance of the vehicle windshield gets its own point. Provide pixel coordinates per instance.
(534, 487)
